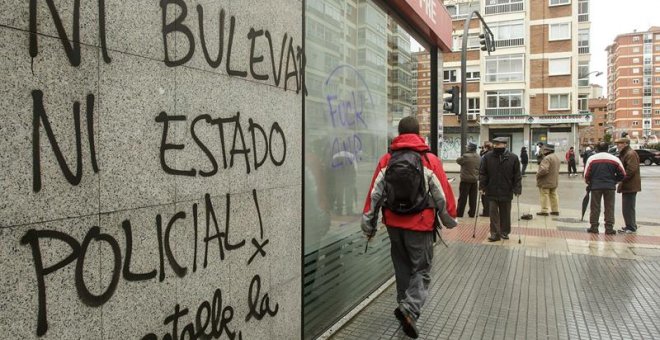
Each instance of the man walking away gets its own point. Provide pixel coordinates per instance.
(586, 154)
(499, 180)
(468, 188)
(570, 159)
(524, 159)
(488, 146)
(631, 184)
(601, 173)
(410, 223)
(547, 179)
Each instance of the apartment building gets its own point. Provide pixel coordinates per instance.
(634, 85)
(595, 132)
(535, 86)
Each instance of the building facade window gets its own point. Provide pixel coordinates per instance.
(505, 68)
(635, 123)
(508, 33)
(635, 101)
(635, 49)
(583, 71)
(559, 102)
(635, 60)
(635, 70)
(560, 31)
(449, 76)
(635, 112)
(583, 41)
(559, 66)
(473, 105)
(559, 2)
(462, 10)
(635, 38)
(473, 42)
(472, 74)
(635, 91)
(504, 102)
(635, 81)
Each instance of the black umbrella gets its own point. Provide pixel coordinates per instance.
(585, 203)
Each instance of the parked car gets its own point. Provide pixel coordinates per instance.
(648, 157)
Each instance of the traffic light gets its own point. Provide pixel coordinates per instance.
(451, 104)
(486, 42)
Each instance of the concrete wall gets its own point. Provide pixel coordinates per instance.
(151, 183)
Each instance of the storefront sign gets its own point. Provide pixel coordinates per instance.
(429, 17)
(582, 119)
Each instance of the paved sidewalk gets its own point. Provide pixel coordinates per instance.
(558, 283)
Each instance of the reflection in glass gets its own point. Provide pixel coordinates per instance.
(361, 82)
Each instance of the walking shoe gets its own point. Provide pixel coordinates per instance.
(407, 322)
(610, 232)
(493, 238)
(541, 213)
(627, 231)
(592, 231)
(555, 213)
(505, 236)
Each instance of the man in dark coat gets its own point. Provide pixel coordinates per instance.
(524, 160)
(631, 184)
(499, 180)
(601, 173)
(468, 188)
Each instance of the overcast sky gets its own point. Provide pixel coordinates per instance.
(610, 18)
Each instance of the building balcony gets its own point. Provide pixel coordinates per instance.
(583, 17)
(583, 50)
(510, 42)
(504, 112)
(505, 8)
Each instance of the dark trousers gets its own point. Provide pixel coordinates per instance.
(628, 201)
(500, 216)
(524, 167)
(572, 168)
(412, 255)
(467, 190)
(608, 197)
(484, 203)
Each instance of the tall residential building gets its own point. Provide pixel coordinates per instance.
(634, 85)
(535, 86)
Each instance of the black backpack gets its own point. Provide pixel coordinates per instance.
(405, 189)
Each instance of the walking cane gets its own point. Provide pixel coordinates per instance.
(518, 202)
(476, 216)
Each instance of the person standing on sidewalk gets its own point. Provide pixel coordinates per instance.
(570, 159)
(499, 180)
(631, 184)
(488, 146)
(601, 173)
(410, 232)
(539, 152)
(524, 159)
(468, 188)
(547, 179)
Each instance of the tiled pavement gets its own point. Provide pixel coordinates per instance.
(557, 283)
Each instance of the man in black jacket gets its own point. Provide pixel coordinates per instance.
(488, 147)
(499, 180)
(602, 172)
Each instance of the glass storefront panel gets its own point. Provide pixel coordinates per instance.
(362, 77)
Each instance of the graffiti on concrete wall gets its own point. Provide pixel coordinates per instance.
(254, 143)
(450, 148)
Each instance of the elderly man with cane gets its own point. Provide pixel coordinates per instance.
(499, 180)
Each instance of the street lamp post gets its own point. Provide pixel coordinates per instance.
(489, 40)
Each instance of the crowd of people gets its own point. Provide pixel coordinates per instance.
(411, 189)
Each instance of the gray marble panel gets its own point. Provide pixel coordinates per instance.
(134, 92)
(140, 305)
(50, 77)
(287, 322)
(136, 27)
(67, 316)
(282, 211)
(16, 14)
